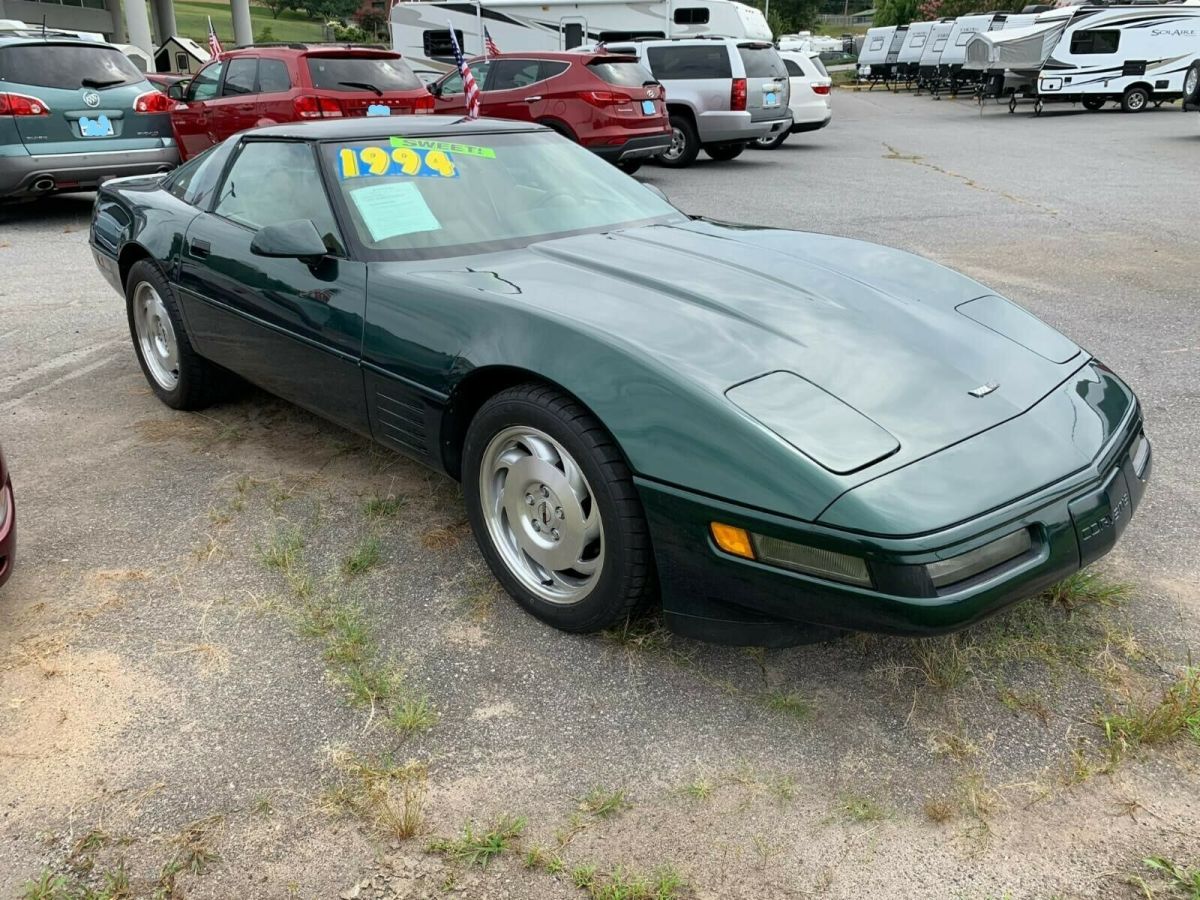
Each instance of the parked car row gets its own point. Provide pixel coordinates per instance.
(74, 112)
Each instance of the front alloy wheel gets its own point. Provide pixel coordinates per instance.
(554, 510)
(155, 336)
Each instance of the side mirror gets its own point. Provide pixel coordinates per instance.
(175, 91)
(435, 89)
(298, 239)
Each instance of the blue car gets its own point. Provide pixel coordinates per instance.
(74, 112)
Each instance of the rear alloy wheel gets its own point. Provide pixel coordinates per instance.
(554, 509)
(1135, 99)
(771, 141)
(1191, 85)
(684, 144)
(1093, 103)
(179, 377)
(724, 152)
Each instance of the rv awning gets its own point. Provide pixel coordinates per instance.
(1017, 48)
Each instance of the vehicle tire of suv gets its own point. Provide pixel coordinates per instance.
(1135, 99)
(1093, 103)
(528, 438)
(1191, 85)
(685, 144)
(770, 141)
(179, 377)
(723, 152)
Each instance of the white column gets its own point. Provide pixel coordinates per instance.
(137, 22)
(116, 10)
(165, 13)
(243, 32)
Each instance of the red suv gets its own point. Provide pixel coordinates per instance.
(609, 103)
(268, 84)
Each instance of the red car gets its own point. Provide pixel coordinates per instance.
(610, 104)
(266, 85)
(8, 523)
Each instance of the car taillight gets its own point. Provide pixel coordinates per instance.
(820, 88)
(423, 105)
(737, 95)
(310, 107)
(605, 98)
(153, 102)
(22, 105)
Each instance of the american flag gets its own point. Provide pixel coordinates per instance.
(214, 42)
(470, 88)
(489, 46)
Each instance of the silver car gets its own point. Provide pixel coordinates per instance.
(722, 93)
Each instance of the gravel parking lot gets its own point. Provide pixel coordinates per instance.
(209, 611)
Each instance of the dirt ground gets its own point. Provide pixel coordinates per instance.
(247, 654)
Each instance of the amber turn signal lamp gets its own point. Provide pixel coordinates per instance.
(732, 539)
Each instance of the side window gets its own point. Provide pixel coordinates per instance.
(437, 42)
(940, 43)
(453, 83)
(194, 181)
(690, 61)
(793, 68)
(550, 68)
(1095, 41)
(691, 15)
(963, 37)
(273, 76)
(204, 85)
(511, 74)
(181, 62)
(276, 181)
(918, 41)
(240, 77)
(877, 43)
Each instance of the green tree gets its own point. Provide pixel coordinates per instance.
(791, 15)
(897, 12)
(275, 7)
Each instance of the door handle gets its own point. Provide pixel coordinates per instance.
(199, 248)
(532, 99)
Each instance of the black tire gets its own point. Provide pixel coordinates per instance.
(629, 166)
(689, 143)
(1093, 103)
(725, 152)
(200, 383)
(1135, 100)
(770, 141)
(1191, 85)
(626, 579)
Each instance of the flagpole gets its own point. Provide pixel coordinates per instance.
(479, 26)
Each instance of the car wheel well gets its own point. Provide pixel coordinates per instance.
(561, 127)
(679, 109)
(129, 255)
(468, 397)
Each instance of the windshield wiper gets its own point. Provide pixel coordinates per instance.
(362, 84)
(100, 83)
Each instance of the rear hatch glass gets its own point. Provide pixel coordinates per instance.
(89, 90)
(629, 73)
(690, 61)
(766, 81)
(373, 74)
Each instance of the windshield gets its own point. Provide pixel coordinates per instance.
(416, 198)
(69, 66)
(362, 73)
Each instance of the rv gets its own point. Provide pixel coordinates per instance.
(875, 49)
(909, 56)
(1134, 55)
(927, 65)
(421, 29)
(1008, 61)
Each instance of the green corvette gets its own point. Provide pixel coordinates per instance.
(771, 434)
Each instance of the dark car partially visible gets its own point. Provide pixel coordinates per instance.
(8, 523)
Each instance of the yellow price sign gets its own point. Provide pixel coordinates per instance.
(381, 162)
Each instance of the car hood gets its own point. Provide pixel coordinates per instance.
(893, 336)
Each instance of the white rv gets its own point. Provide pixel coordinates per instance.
(876, 46)
(927, 65)
(1131, 54)
(1010, 59)
(910, 52)
(421, 29)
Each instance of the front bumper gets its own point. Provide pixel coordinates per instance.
(20, 175)
(713, 596)
(635, 148)
(8, 530)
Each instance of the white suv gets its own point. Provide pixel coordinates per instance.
(811, 96)
(722, 93)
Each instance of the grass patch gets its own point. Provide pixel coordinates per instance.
(191, 19)
(602, 803)
(621, 884)
(364, 557)
(284, 551)
(699, 789)
(389, 795)
(413, 713)
(787, 703)
(544, 859)
(939, 810)
(1084, 588)
(644, 634)
(858, 808)
(478, 847)
(192, 854)
(1177, 712)
(377, 508)
(1179, 880)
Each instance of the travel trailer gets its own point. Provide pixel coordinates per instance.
(909, 56)
(927, 65)
(880, 50)
(1009, 60)
(421, 29)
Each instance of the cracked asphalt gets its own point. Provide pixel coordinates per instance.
(154, 673)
